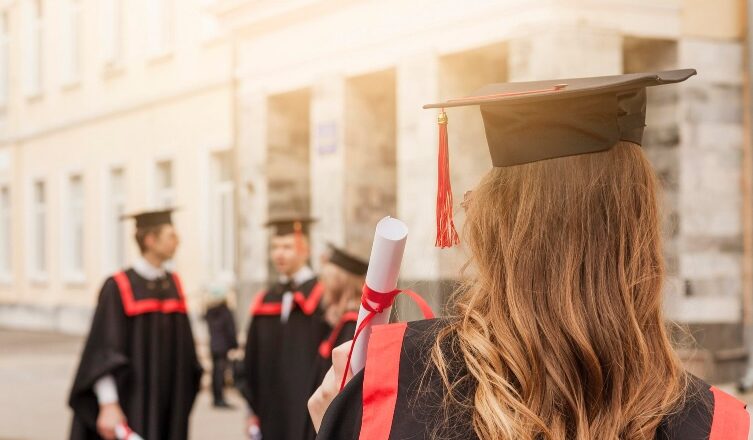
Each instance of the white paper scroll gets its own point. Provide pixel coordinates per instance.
(384, 269)
(122, 432)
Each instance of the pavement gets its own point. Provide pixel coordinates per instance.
(36, 373)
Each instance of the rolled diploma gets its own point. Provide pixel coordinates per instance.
(384, 269)
(121, 433)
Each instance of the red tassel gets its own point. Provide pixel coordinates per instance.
(447, 236)
(298, 232)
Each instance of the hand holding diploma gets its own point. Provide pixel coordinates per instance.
(376, 304)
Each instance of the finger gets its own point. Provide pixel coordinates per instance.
(340, 358)
(107, 433)
(329, 387)
(314, 413)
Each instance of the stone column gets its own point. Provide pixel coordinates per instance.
(370, 138)
(418, 84)
(328, 169)
(710, 198)
(252, 194)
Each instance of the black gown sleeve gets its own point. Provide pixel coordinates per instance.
(249, 365)
(105, 353)
(230, 330)
(346, 333)
(342, 421)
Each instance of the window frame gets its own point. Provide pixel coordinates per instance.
(35, 274)
(6, 220)
(216, 190)
(70, 274)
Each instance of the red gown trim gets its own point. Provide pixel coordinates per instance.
(325, 348)
(135, 307)
(380, 380)
(259, 308)
(307, 305)
(731, 421)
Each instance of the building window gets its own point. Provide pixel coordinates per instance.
(38, 248)
(6, 234)
(4, 58)
(72, 25)
(159, 26)
(34, 38)
(112, 33)
(116, 234)
(74, 230)
(164, 191)
(221, 217)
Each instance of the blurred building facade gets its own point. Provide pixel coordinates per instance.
(330, 95)
(237, 110)
(108, 107)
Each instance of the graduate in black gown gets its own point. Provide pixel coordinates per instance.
(558, 332)
(343, 276)
(222, 339)
(139, 364)
(287, 326)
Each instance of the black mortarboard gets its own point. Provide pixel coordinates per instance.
(347, 261)
(290, 225)
(152, 218)
(531, 121)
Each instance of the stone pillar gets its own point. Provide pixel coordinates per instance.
(460, 74)
(288, 147)
(252, 195)
(418, 84)
(710, 198)
(370, 135)
(328, 169)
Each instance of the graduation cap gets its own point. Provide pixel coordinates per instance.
(151, 218)
(292, 224)
(347, 261)
(538, 120)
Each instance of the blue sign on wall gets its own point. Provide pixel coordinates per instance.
(326, 138)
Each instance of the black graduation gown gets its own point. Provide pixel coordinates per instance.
(280, 358)
(144, 340)
(342, 333)
(222, 337)
(384, 402)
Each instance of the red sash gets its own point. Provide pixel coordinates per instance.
(380, 380)
(307, 305)
(325, 348)
(135, 307)
(731, 421)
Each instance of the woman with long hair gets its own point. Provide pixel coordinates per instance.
(558, 331)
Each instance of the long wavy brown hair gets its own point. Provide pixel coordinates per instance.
(560, 326)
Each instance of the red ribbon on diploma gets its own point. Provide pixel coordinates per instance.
(383, 301)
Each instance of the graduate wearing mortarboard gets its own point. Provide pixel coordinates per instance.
(287, 326)
(559, 333)
(139, 364)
